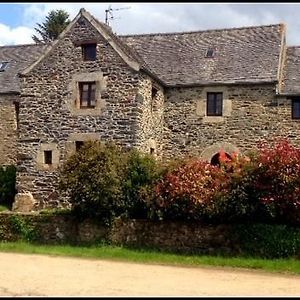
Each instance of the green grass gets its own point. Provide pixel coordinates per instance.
(290, 266)
(4, 208)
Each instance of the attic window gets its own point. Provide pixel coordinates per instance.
(210, 52)
(89, 51)
(3, 66)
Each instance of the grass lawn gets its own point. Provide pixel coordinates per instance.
(291, 266)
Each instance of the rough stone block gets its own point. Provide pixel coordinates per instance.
(24, 202)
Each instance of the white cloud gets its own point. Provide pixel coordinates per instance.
(12, 36)
(163, 17)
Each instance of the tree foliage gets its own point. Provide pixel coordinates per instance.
(55, 23)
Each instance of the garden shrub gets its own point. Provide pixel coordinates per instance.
(183, 193)
(105, 181)
(277, 183)
(92, 178)
(7, 185)
(241, 201)
(142, 171)
(268, 241)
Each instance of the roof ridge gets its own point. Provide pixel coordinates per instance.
(198, 31)
(293, 46)
(22, 45)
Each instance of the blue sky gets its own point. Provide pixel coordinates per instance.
(17, 21)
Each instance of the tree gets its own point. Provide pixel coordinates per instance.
(56, 22)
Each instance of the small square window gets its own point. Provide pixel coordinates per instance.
(89, 51)
(87, 91)
(296, 108)
(210, 52)
(48, 157)
(214, 105)
(79, 145)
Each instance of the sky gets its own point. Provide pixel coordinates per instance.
(18, 20)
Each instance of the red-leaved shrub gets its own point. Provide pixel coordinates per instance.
(278, 180)
(184, 192)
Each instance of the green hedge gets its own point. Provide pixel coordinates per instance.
(267, 240)
(7, 185)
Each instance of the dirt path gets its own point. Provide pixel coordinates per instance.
(41, 275)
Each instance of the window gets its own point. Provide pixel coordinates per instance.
(3, 66)
(89, 51)
(296, 108)
(154, 92)
(17, 110)
(48, 157)
(152, 151)
(214, 105)
(87, 92)
(79, 145)
(210, 52)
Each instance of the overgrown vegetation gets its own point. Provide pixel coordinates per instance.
(23, 229)
(7, 185)
(259, 193)
(105, 181)
(268, 241)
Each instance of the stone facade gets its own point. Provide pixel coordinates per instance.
(150, 93)
(8, 129)
(49, 114)
(256, 114)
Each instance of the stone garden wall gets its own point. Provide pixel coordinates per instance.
(164, 235)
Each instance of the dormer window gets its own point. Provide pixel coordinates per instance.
(210, 52)
(89, 51)
(3, 65)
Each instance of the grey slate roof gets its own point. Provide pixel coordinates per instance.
(18, 57)
(248, 54)
(291, 72)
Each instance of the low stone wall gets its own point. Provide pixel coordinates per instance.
(191, 237)
(49, 229)
(187, 237)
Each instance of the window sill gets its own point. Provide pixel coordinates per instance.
(213, 119)
(87, 107)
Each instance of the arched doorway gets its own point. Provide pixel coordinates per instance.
(218, 157)
(209, 152)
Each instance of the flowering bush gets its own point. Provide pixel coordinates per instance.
(241, 202)
(184, 192)
(278, 180)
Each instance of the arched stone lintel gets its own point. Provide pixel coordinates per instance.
(210, 151)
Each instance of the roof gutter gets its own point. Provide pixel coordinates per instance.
(10, 93)
(200, 84)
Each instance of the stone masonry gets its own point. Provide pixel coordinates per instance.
(8, 129)
(151, 93)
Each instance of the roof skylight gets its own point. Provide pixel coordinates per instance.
(3, 65)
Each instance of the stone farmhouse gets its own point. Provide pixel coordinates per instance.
(169, 94)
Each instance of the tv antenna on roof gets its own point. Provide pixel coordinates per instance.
(109, 13)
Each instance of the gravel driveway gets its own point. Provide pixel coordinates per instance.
(42, 275)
